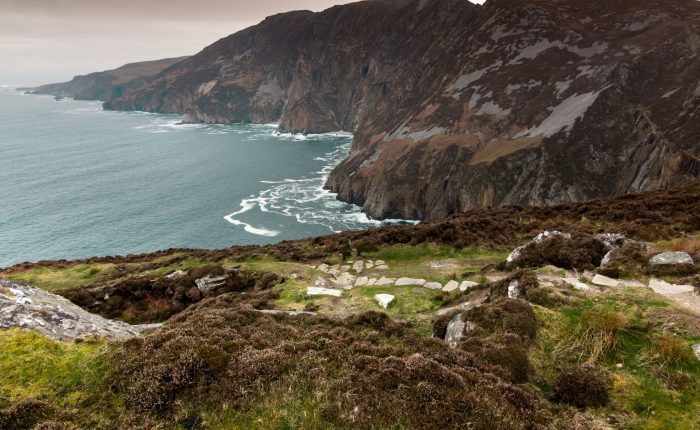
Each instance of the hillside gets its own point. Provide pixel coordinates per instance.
(456, 106)
(576, 316)
(110, 83)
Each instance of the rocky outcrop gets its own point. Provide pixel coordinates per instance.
(28, 307)
(108, 84)
(456, 106)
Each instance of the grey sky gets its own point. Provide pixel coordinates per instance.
(52, 40)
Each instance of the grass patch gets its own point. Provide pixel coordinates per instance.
(398, 253)
(53, 279)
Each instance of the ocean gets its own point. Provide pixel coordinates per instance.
(77, 181)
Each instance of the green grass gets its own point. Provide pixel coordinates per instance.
(53, 279)
(397, 253)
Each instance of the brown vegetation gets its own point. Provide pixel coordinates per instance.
(582, 386)
(364, 371)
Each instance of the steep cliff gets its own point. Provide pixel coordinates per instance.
(456, 106)
(110, 83)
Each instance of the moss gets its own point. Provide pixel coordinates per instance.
(53, 279)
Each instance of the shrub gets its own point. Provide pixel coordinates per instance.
(600, 331)
(580, 252)
(666, 349)
(23, 414)
(582, 386)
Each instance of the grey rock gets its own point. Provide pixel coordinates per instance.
(604, 281)
(209, 282)
(467, 285)
(513, 290)
(577, 284)
(362, 281)
(455, 330)
(402, 282)
(671, 258)
(665, 288)
(383, 281)
(25, 306)
(450, 286)
(317, 291)
(433, 285)
(611, 240)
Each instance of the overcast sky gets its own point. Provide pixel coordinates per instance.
(52, 40)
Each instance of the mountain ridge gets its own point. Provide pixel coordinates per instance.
(456, 106)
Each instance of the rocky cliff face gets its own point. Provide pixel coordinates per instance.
(108, 84)
(456, 106)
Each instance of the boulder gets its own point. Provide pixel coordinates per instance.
(384, 299)
(402, 282)
(433, 285)
(318, 291)
(25, 306)
(455, 330)
(209, 282)
(667, 258)
(450, 286)
(604, 281)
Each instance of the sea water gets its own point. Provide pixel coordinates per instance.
(77, 181)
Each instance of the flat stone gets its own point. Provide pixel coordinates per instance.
(361, 281)
(402, 282)
(384, 299)
(381, 267)
(379, 263)
(369, 265)
(176, 274)
(317, 291)
(385, 281)
(450, 286)
(671, 258)
(344, 268)
(344, 279)
(323, 268)
(372, 281)
(433, 285)
(664, 288)
(442, 265)
(467, 285)
(358, 266)
(604, 281)
(28, 307)
(574, 282)
(320, 282)
(334, 271)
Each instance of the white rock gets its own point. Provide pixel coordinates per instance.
(402, 282)
(372, 281)
(323, 268)
(385, 281)
(334, 271)
(513, 290)
(344, 268)
(450, 286)
(384, 299)
(606, 258)
(433, 285)
(455, 330)
(604, 281)
(320, 282)
(577, 284)
(381, 267)
(664, 288)
(466, 285)
(361, 281)
(369, 265)
(671, 258)
(317, 291)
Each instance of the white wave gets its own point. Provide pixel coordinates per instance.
(306, 199)
(248, 204)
